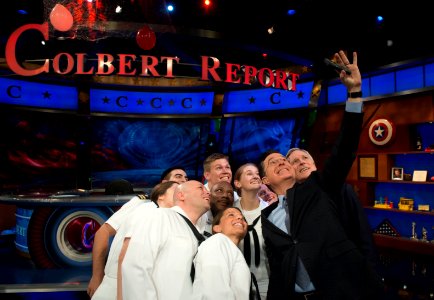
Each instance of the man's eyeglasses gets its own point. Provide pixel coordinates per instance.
(275, 162)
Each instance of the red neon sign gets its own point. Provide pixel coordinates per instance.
(122, 64)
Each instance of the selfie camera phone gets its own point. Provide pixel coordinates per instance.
(337, 67)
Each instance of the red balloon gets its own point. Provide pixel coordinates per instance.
(61, 18)
(145, 38)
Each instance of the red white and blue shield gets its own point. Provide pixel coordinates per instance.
(381, 132)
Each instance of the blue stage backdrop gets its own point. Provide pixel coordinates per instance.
(246, 138)
(51, 151)
(139, 150)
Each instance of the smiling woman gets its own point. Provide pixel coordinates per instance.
(248, 183)
(221, 271)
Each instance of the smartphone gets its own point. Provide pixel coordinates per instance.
(337, 67)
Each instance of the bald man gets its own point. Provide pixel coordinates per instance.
(162, 247)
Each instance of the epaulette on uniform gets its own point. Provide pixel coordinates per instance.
(142, 196)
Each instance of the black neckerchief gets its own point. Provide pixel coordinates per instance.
(247, 254)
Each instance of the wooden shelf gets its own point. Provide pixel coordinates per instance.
(397, 181)
(395, 152)
(399, 211)
(403, 244)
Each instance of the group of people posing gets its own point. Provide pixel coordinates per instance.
(278, 229)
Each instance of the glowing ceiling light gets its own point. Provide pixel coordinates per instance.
(118, 9)
(291, 12)
(207, 2)
(380, 19)
(170, 7)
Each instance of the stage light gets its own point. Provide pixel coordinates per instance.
(22, 12)
(380, 21)
(270, 30)
(170, 8)
(118, 9)
(291, 12)
(207, 2)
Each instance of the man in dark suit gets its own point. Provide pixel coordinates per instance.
(350, 210)
(310, 254)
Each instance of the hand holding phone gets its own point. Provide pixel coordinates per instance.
(337, 67)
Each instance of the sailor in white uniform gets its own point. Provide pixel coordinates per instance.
(221, 272)
(161, 196)
(158, 261)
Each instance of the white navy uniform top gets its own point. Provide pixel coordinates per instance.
(160, 253)
(260, 267)
(221, 271)
(108, 287)
(119, 217)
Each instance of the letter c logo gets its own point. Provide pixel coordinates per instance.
(10, 92)
(272, 98)
(184, 104)
(153, 102)
(118, 101)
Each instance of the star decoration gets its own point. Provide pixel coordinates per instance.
(171, 102)
(139, 102)
(46, 95)
(202, 102)
(379, 131)
(300, 95)
(106, 100)
(252, 100)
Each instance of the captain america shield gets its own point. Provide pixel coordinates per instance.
(381, 132)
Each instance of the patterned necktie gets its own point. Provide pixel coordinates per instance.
(285, 206)
(302, 278)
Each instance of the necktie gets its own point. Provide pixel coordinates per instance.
(301, 276)
(285, 206)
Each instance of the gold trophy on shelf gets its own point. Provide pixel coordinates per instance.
(405, 203)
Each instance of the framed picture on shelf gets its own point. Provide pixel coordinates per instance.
(367, 167)
(397, 173)
(420, 175)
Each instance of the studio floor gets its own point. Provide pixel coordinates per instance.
(20, 279)
(406, 278)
